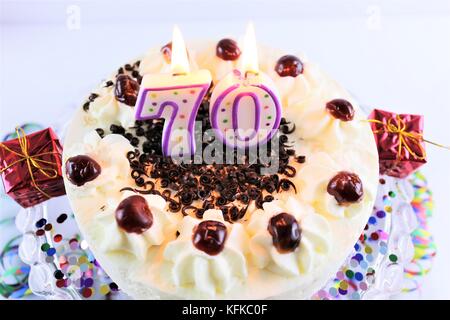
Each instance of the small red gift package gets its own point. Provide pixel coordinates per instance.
(30, 167)
(400, 143)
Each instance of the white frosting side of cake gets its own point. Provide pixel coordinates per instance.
(149, 267)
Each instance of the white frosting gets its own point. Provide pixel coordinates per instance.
(106, 110)
(313, 179)
(110, 153)
(315, 241)
(115, 238)
(207, 274)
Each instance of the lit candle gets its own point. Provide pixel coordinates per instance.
(176, 98)
(245, 106)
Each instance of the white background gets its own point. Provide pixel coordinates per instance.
(391, 54)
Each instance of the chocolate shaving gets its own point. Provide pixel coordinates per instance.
(227, 187)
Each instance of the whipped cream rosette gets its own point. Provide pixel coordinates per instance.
(331, 187)
(97, 165)
(134, 225)
(303, 238)
(209, 254)
(105, 109)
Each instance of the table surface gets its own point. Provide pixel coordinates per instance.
(390, 55)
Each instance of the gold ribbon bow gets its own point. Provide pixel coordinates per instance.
(404, 137)
(32, 160)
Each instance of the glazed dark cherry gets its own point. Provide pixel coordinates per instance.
(134, 215)
(346, 188)
(166, 50)
(285, 231)
(81, 169)
(341, 109)
(289, 66)
(126, 90)
(209, 237)
(227, 49)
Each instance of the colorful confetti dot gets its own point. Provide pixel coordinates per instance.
(87, 292)
(89, 282)
(393, 258)
(61, 218)
(349, 274)
(58, 274)
(104, 290)
(381, 214)
(358, 276)
(60, 283)
(40, 223)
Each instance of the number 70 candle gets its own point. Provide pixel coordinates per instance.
(176, 98)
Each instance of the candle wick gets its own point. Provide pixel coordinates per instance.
(179, 74)
(253, 73)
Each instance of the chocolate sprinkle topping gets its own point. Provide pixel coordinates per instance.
(197, 187)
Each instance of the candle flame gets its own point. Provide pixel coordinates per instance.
(249, 52)
(180, 62)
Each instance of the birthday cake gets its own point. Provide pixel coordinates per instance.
(233, 227)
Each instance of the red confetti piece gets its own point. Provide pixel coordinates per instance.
(57, 238)
(87, 292)
(60, 283)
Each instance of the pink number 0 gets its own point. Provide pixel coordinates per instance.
(227, 109)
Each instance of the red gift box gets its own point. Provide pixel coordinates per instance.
(401, 147)
(30, 167)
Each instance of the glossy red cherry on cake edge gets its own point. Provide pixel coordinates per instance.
(81, 169)
(346, 188)
(209, 236)
(228, 49)
(285, 231)
(134, 215)
(341, 109)
(289, 66)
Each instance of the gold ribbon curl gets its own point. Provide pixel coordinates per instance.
(404, 136)
(32, 161)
